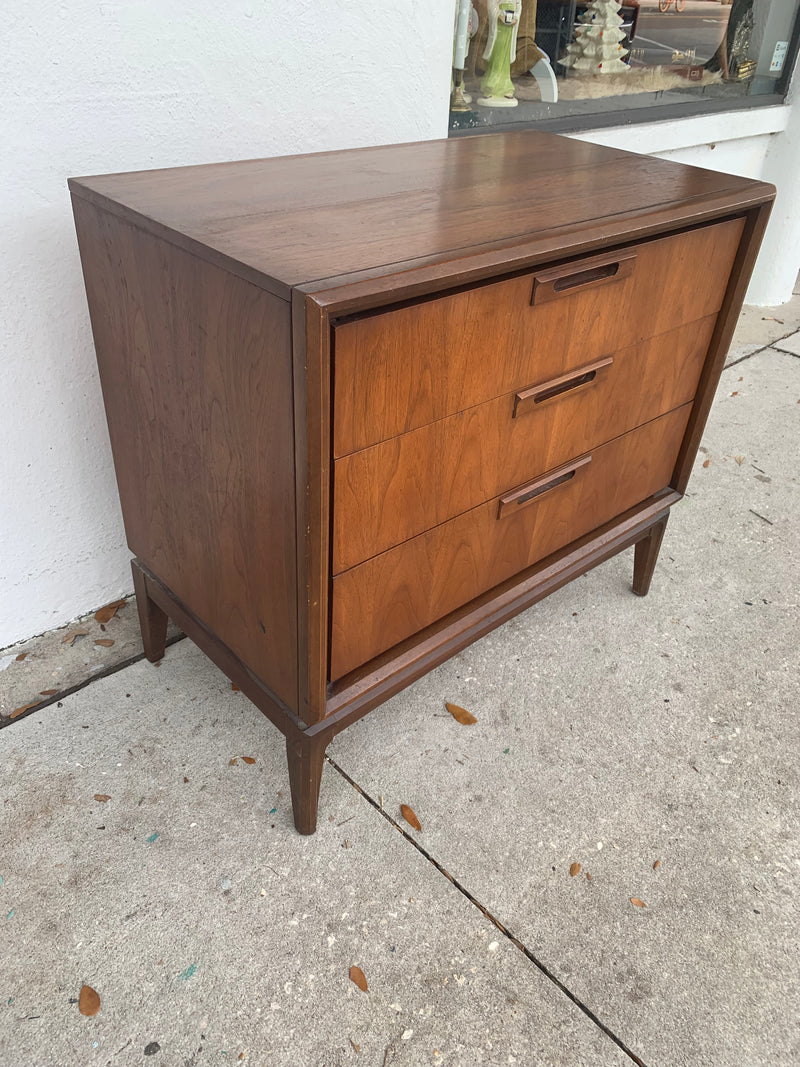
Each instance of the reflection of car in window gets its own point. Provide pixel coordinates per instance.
(556, 21)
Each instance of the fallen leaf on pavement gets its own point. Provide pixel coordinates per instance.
(656, 865)
(89, 1001)
(21, 657)
(68, 639)
(233, 762)
(109, 611)
(574, 869)
(249, 759)
(410, 816)
(47, 692)
(357, 976)
(25, 707)
(707, 463)
(638, 903)
(739, 459)
(102, 797)
(106, 642)
(461, 715)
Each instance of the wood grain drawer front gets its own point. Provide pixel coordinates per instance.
(394, 490)
(396, 594)
(397, 370)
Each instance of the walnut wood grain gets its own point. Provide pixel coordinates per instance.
(411, 366)
(387, 674)
(384, 600)
(248, 314)
(195, 366)
(390, 492)
(290, 221)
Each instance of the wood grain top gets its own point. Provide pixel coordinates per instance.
(298, 220)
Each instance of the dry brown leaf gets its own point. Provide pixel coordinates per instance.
(68, 639)
(707, 463)
(233, 762)
(108, 612)
(356, 1048)
(410, 816)
(461, 715)
(638, 903)
(249, 759)
(185, 779)
(106, 642)
(739, 459)
(735, 392)
(25, 707)
(656, 865)
(47, 692)
(588, 877)
(575, 868)
(357, 976)
(102, 797)
(89, 1001)
(21, 657)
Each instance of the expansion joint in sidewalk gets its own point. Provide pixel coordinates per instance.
(106, 672)
(587, 1011)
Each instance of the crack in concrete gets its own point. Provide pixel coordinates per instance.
(63, 693)
(587, 1011)
(758, 351)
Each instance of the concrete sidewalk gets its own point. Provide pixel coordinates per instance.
(653, 742)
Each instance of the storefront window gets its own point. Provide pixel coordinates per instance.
(534, 61)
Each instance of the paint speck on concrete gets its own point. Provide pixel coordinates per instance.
(273, 811)
(152, 838)
(225, 884)
(187, 974)
(11, 914)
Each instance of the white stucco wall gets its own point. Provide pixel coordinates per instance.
(89, 87)
(112, 85)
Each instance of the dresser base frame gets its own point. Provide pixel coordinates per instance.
(360, 692)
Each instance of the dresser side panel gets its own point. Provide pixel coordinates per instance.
(196, 370)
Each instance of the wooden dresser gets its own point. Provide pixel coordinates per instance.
(365, 406)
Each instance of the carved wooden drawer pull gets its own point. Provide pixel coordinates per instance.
(577, 277)
(526, 494)
(526, 399)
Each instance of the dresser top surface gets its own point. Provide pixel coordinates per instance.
(299, 220)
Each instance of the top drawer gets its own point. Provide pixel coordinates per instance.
(397, 370)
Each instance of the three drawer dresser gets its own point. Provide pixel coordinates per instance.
(365, 406)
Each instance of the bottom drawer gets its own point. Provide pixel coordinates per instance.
(392, 596)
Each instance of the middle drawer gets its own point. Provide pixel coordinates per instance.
(392, 491)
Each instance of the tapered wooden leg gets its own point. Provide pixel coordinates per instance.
(645, 554)
(306, 758)
(152, 620)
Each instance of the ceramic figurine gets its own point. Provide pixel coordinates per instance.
(597, 48)
(501, 51)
